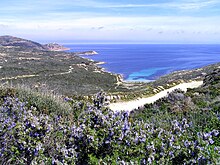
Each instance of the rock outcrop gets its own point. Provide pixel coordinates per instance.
(55, 47)
(87, 53)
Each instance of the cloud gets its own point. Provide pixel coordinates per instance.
(98, 28)
(48, 11)
(76, 19)
(4, 26)
(195, 5)
(22, 6)
(183, 5)
(143, 24)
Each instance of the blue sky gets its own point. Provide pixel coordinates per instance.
(118, 21)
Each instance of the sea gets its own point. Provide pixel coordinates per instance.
(147, 62)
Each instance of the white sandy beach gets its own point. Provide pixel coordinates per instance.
(130, 105)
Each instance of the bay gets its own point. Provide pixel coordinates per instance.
(146, 62)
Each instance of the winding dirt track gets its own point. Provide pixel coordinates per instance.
(134, 104)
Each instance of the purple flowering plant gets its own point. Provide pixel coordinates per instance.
(91, 134)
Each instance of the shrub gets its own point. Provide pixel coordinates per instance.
(28, 135)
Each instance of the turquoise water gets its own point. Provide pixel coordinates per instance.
(148, 62)
(143, 74)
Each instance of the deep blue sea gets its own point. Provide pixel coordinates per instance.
(144, 62)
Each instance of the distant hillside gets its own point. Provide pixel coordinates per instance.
(62, 72)
(15, 41)
(28, 44)
(185, 76)
(55, 47)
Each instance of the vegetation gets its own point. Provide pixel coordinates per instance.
(60, 72)
(180, 129)
(15, 41)
(185, 76)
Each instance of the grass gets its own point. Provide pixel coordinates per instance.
(44, 101)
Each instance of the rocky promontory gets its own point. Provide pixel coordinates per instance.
(55, 47)
(87, 53)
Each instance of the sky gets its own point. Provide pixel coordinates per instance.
(112, 21)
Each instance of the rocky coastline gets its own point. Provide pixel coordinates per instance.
(55, 47)
(87, 53)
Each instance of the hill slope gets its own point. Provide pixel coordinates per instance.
(15, 41)
(61, 72)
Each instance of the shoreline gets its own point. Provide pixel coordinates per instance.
(100, 63)
(117, 63)
(176, 77)
(139, 81)
(134, 104)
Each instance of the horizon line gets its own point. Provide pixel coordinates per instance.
(134, 43)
